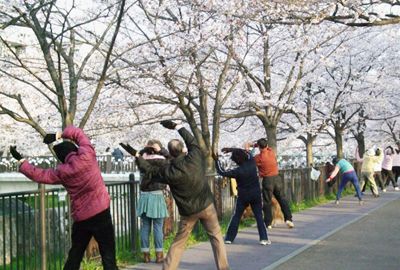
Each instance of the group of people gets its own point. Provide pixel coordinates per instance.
(376, 166)
(182, 171)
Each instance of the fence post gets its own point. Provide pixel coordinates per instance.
(108, 164)
(43, 255)
(134, 227)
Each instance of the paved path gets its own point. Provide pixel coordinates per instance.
(325, 237)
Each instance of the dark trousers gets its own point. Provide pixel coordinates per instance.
(273, 186)
(396, 172)
(101, 228)
(256, 206)
(389, 177)
(379, 179)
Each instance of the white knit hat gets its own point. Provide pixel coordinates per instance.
(371, 152)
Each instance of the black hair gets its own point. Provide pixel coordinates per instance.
(335, 160)
(63, 149)
(262, 143)
(239, 156)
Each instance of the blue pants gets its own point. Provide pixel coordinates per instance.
(157, 233)
(346, 177)
(256, 206)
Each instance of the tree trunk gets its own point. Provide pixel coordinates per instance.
(339, 142)
(360, 143)
(270, 130)
(309, 150)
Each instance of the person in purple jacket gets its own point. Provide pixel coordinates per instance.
(80, 174)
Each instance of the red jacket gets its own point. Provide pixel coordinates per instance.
(266, 162)
(80, 175)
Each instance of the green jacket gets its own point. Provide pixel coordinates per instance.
(185, 176)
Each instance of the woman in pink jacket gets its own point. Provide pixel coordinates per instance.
(79, 173)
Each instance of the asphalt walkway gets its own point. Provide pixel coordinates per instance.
(329, 236)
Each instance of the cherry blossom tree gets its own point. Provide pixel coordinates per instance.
(68, 42)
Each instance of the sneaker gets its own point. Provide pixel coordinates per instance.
(269, 227)
(265, 242)
(337, 202)
(228, 242)
(376, 195)
(290, 224)
(361, 202)
(384, 190)
(396, 188)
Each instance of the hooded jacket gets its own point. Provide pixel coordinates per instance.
(370, 160)
(185, 176)
(80, 175)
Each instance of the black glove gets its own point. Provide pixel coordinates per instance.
(14, 153)
(168, 124)
(49, 138)
(129, 149)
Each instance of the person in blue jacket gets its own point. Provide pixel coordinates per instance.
(249, 192)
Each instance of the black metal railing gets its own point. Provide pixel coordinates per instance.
(36, 226)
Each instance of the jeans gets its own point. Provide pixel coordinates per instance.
(346, 177)
(256, 206)
(101, 228)
(158, 235)
(272, 186)
(209, 219)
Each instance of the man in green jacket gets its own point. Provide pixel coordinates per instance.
(185, 175)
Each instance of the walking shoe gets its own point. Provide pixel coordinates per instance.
(384, 190)
(146, 257)
(337, 202)
(396, 188)
(265, 242)
(269, 227)
(376, 195)
(360, 202)
(228, 242)
(290, 224)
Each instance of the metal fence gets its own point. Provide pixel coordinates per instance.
(35, 226)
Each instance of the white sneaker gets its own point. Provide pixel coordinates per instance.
(337, 202)
(228, 242)
(265, 242)
(384, 190)
(361, 202)
(269, 227)
(396, 188)
(290, 224)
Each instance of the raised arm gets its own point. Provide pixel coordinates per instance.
(39, 175)
(79, 137)
(230, 173)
